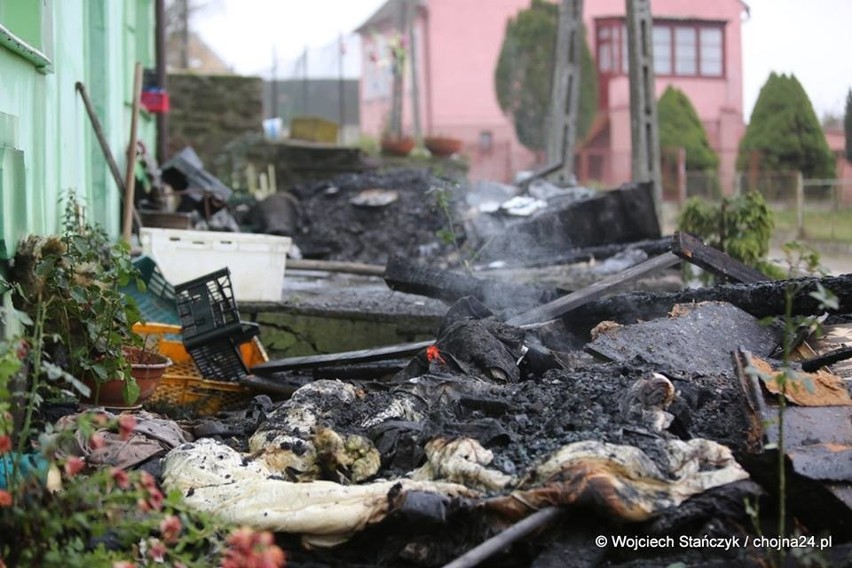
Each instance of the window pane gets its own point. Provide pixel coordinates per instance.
(662, 38)
(625, 66)
(605, 57)
(685, 51)
(711, 52)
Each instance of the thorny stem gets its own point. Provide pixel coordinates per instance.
(37, 348)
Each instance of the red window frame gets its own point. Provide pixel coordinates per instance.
(611, 33)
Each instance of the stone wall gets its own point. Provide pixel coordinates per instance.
(215, 114)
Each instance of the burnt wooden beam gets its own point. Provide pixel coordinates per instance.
(761, 299)
(346, 357)
(694, 251)
(652, 247)
(816, 363)
(559, 307)
(406, 276)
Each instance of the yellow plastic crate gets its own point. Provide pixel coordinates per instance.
(183, 385)
(313, 129)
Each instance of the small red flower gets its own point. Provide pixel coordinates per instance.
(121, 478)
(434, 354)
(157, 550)
(170, 528)
(100, 419)
(96, 441)
(22, 349)
(5, 444)
(126, 425)
(247, 548)
(123, 564)
(74, 465)
(143, 505)
(155, 499)
(5, 498)
(148, 481)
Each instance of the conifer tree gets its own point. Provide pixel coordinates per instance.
(785, 132)
(680, 127)
(524, 74)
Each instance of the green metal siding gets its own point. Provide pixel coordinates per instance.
(47, 140)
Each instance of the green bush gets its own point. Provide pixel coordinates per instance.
(680, 127)
(740, 226)
(524, 74)
(785, 132)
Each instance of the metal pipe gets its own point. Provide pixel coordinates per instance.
(160, 39)
(492, 546)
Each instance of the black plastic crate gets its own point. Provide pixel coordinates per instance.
(220, 359)
(211, 328)
(206, 307)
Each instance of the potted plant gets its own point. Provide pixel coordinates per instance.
(397, 146)
(442, 146)
(75, 278)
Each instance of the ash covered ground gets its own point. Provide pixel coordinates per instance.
(334, 228)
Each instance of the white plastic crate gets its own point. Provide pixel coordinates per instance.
(257, 262)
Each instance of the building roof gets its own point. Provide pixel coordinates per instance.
(390, 11)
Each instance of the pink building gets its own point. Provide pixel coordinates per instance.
(697, 48)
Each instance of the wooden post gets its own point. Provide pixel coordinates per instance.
(644, 131)
(800, 205)
(565, 96)
(130, 172)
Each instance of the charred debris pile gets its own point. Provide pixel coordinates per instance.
(543, 425)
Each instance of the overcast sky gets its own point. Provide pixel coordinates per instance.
(810, 38)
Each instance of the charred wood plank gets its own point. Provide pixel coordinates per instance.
(406, 276)
(621, 215)
(346, 357)
(559, 307)
(694, 251)
(761, 299)
(652, 247)
(817, 363)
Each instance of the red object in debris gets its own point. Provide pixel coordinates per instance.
(156, 100)
(434, 354)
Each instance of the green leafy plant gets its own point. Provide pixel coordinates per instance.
(450, 235)
(740, 226)
(72, 283)
(55, 511)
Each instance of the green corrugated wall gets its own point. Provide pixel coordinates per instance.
(46, 142)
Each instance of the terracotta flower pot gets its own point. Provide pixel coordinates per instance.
(146, 367)
(442, 146)
(397, 146)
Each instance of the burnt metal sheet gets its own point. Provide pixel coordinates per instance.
(826, 462)
(805, 426)
(698, 340)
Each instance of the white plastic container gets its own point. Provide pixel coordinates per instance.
(257, 262)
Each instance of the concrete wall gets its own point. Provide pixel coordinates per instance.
(210, 111)
(46, 143)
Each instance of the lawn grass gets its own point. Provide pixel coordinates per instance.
(819, 225)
